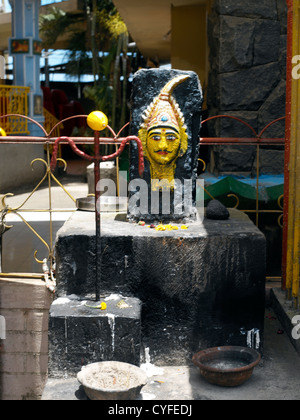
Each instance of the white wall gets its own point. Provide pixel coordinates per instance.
(15, 169)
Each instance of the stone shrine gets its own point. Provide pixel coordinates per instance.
(177, 291)
(199, 287)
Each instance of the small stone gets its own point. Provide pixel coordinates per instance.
(216, 211)
(123, 305)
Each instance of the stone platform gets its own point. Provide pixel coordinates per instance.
(199, 287)
(81, 334)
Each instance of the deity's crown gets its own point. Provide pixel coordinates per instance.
(164, 111)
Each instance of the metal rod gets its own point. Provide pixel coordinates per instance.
(50, 208)
(51, 140)
(97, 216)
(240, 141)
(117, 141)
(22, 276)
(260, 211)
(97, 158)
(118, 176)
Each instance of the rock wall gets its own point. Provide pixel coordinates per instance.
(247, 77)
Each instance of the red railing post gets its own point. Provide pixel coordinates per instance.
(287, 138)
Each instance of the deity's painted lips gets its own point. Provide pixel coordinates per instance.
(161, 152)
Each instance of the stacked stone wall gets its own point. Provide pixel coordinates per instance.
(24, 305)
(247, 79)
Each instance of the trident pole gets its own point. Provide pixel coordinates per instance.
(97, 121)
(97, 216)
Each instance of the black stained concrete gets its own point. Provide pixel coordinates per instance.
(81, 334)
(199, 287)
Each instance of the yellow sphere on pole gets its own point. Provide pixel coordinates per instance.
(2, 132)
(97, 120)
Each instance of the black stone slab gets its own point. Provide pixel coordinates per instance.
(146, 85)
(79, 335)
(200, 287)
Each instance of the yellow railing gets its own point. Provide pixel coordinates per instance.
(293, 225)
(50, 122)
(14, 100)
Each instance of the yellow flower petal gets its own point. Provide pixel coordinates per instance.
(160, 227)
(103, 306)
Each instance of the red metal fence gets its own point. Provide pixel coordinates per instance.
(48, 139)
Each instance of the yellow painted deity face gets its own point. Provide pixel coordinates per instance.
(163, 133)
(163, 144)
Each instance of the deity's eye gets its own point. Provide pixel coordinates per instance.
(156, 138)
(171, 137)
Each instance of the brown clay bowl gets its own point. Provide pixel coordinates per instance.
(227, 365)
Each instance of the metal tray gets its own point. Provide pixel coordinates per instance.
(107, 204)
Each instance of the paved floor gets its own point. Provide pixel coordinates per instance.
(277, 377)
